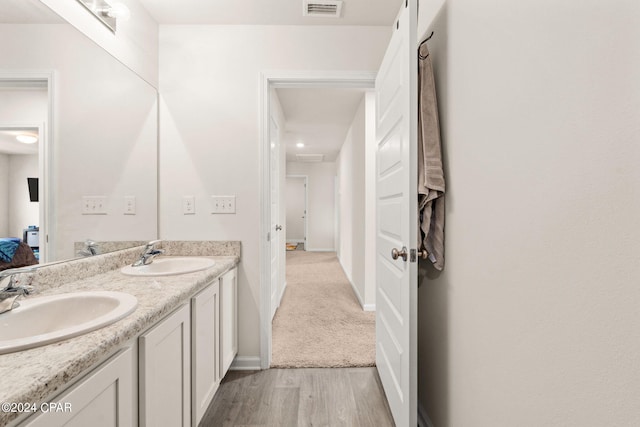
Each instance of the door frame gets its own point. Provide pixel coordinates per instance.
(306, 207)
(45, 155)
(286, 79)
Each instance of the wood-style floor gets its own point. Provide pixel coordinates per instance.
(349, 397)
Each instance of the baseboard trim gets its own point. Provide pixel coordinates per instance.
(423, 418)
(282, 293)
(365, 307)
(245, 363)
(320, 250)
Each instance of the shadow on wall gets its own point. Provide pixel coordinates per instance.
(433, 293)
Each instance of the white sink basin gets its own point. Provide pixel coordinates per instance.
(43, 320)
(168, 266)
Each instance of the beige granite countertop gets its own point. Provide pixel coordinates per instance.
(39, 373)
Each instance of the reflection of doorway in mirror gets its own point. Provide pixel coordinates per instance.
(24, 114)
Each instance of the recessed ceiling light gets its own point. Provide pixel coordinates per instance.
(299, 145)
(27, 139)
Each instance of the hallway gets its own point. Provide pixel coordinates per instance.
(320, 322)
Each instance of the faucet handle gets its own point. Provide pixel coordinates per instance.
(11, 285)
(153, 243)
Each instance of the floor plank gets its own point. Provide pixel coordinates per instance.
(300, 397)
(371, 404)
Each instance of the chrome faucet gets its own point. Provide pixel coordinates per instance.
(91, 248)
(9, 292)
(150, 252)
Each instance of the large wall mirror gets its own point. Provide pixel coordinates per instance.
(96, 148)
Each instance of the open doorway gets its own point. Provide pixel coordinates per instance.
(322, 319)
(296, 212)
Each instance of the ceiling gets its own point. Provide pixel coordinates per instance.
(9, 144)
(27, 12)
(267, 12)
(319, 118)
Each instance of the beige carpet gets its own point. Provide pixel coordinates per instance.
(319, 322)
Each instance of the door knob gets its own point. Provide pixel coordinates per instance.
(395, 254)
(278, 227)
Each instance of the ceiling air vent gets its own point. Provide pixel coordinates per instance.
(326, 8)
(310, 157)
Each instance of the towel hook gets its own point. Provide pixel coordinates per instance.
(423, 42)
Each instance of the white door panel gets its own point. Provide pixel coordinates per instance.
(396, 228)
(296, 209)
(275, 215)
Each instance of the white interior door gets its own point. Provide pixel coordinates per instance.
(296, 209)
(276, 226)
(396, 228)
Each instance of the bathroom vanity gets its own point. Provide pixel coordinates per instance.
(161, 365)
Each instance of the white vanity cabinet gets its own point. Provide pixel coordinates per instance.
(205, 349)
(103, 398)
(228, 319)
(165, 374)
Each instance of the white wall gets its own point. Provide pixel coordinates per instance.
(135, 42)
(370, 235)
(350, 165)
(22, 211)
(209, 121)
(295, 191)
(105, 133)
(4, 195)
(534, 320)
(20, 106)
(320, 203)
(356, 182)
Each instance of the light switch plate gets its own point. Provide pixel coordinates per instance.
(94, 205)
(223, 204)
(188, 205)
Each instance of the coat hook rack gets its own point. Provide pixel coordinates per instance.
(423, 42)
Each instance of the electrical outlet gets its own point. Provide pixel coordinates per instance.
(188, 205)
(94, 205)
(129, 205)
(223, 204)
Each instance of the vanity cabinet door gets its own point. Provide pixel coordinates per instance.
(103, 398)
(164, 369)
(229, 320)
(205, 349)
